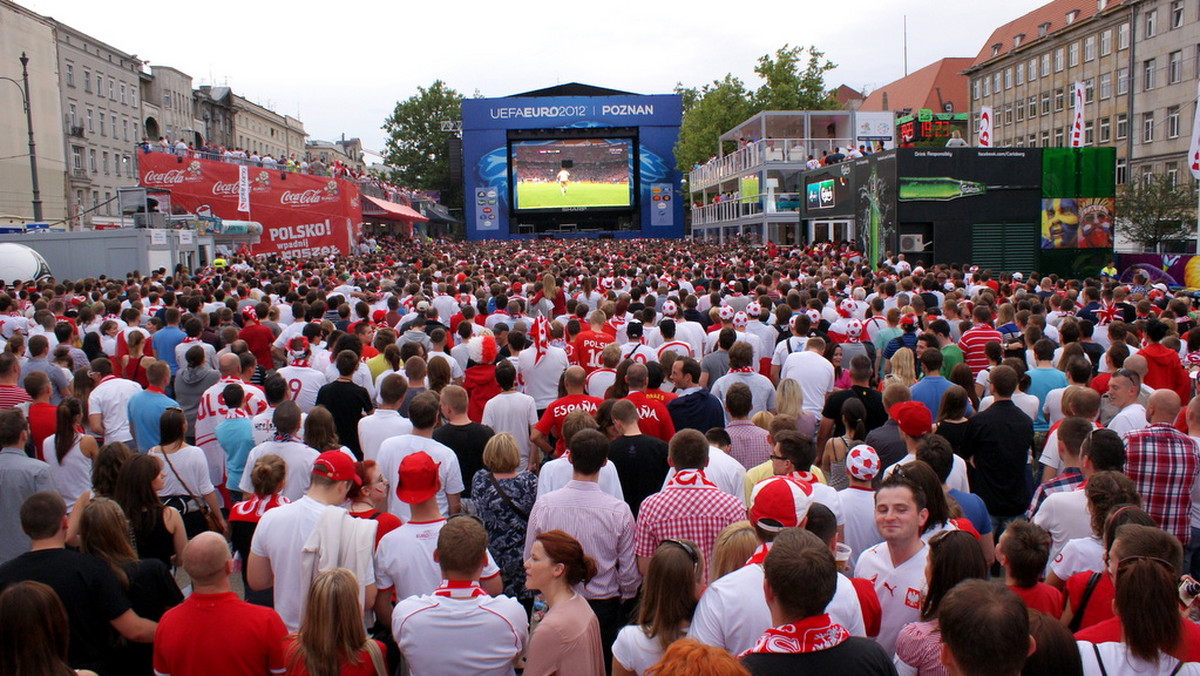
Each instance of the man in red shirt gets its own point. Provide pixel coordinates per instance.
(213, 632)
(589, 344)
(550, 424)
(258, 337)
(11, 394)
(975, 338)
(653, 417)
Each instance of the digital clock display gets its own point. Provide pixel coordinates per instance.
(929, 129)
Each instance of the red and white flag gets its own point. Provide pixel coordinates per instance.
(1077, 124)
(243, 189)
(1194, 151)
(985, 126)
(539, 336)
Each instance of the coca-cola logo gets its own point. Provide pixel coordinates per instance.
(172, 177)
(303, 198)
(230, 189)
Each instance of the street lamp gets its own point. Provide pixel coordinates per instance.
(33, 172)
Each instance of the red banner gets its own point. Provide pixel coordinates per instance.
(301, 215)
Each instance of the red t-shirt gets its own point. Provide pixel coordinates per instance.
(659, 395)
(259, 338)
(1099, 607)
(386, 522)
(1109, 631)
(653, 418)
(550, 424)
(588, 346)
(218, 634)
(364, 667)
(42, 421)
(1042, 597)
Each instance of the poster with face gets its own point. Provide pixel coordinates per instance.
(1077, 223)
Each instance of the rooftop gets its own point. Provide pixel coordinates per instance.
(930, 87)
(1041, 22)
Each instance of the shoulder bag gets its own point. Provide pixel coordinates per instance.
(507, 500)
(212, 521)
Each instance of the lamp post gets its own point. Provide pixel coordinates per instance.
(33, 172)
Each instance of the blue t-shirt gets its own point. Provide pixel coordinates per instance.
(974, 510)
(1041, 381)
(236, 438)
(164, 341)
(144, 411)
(929, 391)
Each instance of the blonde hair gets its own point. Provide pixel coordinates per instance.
(332, 632)
(763, 419)
(501, 454)
(789, 398)
(733, 546)
(904, 367)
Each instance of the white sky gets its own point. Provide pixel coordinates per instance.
(341, 67)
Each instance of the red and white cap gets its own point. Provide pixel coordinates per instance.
(854, 328)
(754, 309)
(847, 307)
(741, 319)
(779, 502)
(248, 312)
(862, 462)
(814, 315)
(909, 319)
(725, 313)
(670, 309)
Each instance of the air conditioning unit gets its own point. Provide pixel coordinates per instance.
(912, 242)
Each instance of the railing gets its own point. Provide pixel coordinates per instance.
(742, 207)
(760, 152)
(76, 130)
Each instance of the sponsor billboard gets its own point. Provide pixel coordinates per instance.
(301, 215)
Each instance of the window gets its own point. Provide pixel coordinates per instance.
(70, 75)
(95, 198)
(1058, 60)
(1171, 171)
(1008, 115)
(71, 114)
(1073, 54)
(1008, 78)
(122, 92)
(1145, 173)
(87, 81)
(1058, 138)
(1105, 86)
(1043, 28)
(1148, 74)
(112, 91)
(125, 129)
(1045, 103)
(1106, 43)
(1105, 130)
(995, 88)
(1176, 14)
(1089, 48)
(1045, 138)
(92, 159)
(1175, 67)
(1020, 74)
(104, 161)
(1122, 81)
(1089, 133)
(1032, 68)
(1089, 90)
(108, 203)
(1122, 126)
(90, 128)
(1122, 170)
(1148, 127)
(1031, 104)
(102, 132)
(1059, 99)
(1045, 65)
(1031, 140)
(1020, 112)
(996, 49)
(1151, 23)
(99, 84)
(974, 90)
(987, 86)
(1173, 122)
(77, 158)
(166, 99)
(1017, 40)
(1123, 36)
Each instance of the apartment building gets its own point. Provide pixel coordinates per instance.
(260, 130)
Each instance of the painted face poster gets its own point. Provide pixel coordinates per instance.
(1077, 223)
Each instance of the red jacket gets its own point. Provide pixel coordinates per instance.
(480, 383)
(1166, 372)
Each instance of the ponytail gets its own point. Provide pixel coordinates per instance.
(1149, 562)
(64, 427)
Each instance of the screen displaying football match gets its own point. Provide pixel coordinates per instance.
(572, 173)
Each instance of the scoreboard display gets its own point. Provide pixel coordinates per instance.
(927, 129)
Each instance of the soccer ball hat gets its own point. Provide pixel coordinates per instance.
(862, 462)
(725, 313)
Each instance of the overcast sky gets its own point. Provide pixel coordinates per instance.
(341, 67)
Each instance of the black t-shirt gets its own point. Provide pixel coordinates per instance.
(89, 591)
(871, 399)
(641, 464)
(852, 656)
(152, 592)
(347, 402)
(467, 442)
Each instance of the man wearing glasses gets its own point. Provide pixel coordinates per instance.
(1123, 390)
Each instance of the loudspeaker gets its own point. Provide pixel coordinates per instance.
(455, 156)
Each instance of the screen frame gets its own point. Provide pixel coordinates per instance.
(629, 134)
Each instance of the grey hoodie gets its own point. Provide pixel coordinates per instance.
(190, 384)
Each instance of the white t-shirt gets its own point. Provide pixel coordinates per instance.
(1079, 555)
(263, 426)
(74, 475)
(110, 399)
(514, 413)
(599, 381)
(1028, 403)
(556, 473)
(280, 537)
(958, 472)
(404, 560)
(303, 384)
(1132, 417)
(636, 651)
(381, 425)
(1065, 516)
(395, 449)
(298, 458)
(859, 532)
(361, 377)
(728, 474)
(1118, 660)
(814, 374)
(899, 589)
(541, 380)
(762, 392)
(191, 467)
(442, 635)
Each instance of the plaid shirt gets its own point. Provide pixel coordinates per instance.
(692, 513)
(1162, 462)
(748, 443)
(1069, 480)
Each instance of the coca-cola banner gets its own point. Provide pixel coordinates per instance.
(301, 215)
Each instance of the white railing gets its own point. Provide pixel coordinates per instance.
(757, 153)
(741, 207)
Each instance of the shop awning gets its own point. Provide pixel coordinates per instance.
(377, 208)
(439, 213)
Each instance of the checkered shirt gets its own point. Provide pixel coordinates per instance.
(1069, 480)
(696, 514)
(748, 443)
(1162, 462)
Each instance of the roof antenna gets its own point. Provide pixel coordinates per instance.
(905, 45)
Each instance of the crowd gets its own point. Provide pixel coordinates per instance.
(650, 457)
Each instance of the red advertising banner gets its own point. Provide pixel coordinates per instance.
(301, 215)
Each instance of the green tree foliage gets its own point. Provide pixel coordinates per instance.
(717, 107)
(417, 146)
(1153, 210)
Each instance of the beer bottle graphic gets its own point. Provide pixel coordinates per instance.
(944, 189)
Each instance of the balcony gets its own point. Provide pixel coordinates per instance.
(754, 155)
(76, 130)
(771, 206)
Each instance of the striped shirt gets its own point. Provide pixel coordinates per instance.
(602, 524)
(972, 344)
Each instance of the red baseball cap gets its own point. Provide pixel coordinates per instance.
(336, 466)
(912, 417)
(417, 479)
(779, 502)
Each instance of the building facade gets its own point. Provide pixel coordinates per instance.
(168, 106)
(214, 109)
(24, 32)
(101, 125)
(260, 130)
(347, 151)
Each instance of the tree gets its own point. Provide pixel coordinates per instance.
(416, 146)
(785, 87)
(712, 111)
(1153, 210)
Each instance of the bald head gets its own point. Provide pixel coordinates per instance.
(637, 376)
(1193, 416)
(1138, 364)
(230, 365)
(204, 558)
(574, 378)
(1163, 406)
